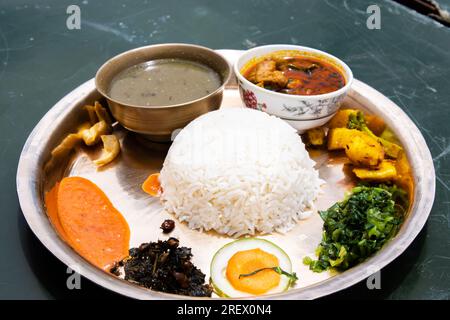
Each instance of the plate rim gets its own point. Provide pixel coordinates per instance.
(28, 187)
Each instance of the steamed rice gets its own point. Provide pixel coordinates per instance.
(238, 171)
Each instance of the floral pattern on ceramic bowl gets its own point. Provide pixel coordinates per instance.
(300, 111)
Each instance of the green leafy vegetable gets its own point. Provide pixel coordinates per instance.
(358, 226)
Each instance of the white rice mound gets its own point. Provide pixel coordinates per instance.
(239, 172)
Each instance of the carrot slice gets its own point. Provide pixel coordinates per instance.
(93, 227)
(152, 186)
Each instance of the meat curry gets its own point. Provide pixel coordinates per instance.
(296, 75)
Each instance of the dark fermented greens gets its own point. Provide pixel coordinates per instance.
(358, 226)
(166, 267)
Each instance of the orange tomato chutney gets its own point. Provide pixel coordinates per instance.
(245, 262)
(85, 218)
(152, 186)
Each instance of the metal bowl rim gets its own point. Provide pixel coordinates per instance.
(187, 103)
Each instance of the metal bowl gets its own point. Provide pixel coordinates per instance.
(158, 123)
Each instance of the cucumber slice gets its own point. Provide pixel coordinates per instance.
(220, 261)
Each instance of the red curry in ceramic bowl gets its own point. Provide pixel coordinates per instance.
(301, 85)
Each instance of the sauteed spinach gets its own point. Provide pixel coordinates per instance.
(358, 226)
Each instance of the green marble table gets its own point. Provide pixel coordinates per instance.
(41, 60)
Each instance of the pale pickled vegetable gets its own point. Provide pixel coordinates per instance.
(111, 148)
(90, 132)
(92, 135)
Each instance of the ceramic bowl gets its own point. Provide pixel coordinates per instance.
(302, 112)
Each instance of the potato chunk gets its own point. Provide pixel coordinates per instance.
(339, 137)
(315, 137)
(386, 171)
(374, 123)
(363, 150)
(340, 119)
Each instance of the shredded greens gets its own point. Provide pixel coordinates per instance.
(292, 276)
(358, 226)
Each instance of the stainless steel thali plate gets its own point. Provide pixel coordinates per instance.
(121, 181)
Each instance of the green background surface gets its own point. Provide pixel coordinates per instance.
(41, 61)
